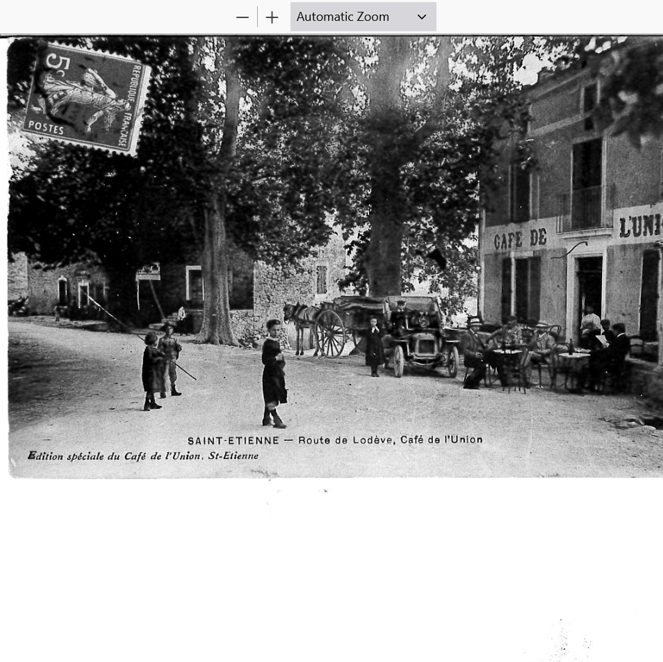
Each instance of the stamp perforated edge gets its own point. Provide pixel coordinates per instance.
(141, 98)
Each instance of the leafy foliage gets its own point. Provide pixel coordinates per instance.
(71, 202)
(632, 90)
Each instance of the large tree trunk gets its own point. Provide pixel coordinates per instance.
(392, 145)
(383, 257)
(217, 327)
(387, 220)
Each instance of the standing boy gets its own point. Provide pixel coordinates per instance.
(273, 375)
(374, 348)
(151, 373)
(170, 349)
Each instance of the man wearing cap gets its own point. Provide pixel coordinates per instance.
(171, 350)
(540, 348)
(473, 349)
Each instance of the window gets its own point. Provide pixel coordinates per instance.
(195, 292)
(506, 287)
(519, 194)
(521, 289)
(63, 291)
(589, 100)
(83, 293)
(649, 294)
(321, 279)
(587, 184)
(528, 289)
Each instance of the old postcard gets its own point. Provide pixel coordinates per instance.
(334, 274)
(175, 311)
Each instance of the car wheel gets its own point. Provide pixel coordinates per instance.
(453, 361)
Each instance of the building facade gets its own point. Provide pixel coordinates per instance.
(47, 287)
(583, 227)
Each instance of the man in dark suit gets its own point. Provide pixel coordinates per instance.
(374, 347)
(473, 348)
(610, 358)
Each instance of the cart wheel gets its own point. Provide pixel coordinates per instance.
(399, 361)
(453, 361)
(330, 333)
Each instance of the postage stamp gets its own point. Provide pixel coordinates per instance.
(87, 98)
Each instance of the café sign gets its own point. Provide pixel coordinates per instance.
(506, 241)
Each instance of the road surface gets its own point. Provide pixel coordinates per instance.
(76, 410)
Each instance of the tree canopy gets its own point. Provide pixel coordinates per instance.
(258, 139)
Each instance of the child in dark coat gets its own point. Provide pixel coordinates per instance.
(152, 362)
(374, 347)
(273, 375)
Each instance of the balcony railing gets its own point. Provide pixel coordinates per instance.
(582, 210)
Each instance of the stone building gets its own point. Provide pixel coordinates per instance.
(258, 291)
(48, 287)
(583, 227)
(316, 281)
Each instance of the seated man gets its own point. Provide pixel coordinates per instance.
(610, 358)
(477, 356)
(511, 334)
(399, 319)
(539, 348)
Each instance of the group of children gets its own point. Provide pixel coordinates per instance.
(159, 364)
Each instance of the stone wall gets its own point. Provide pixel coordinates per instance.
(42, 284)
(17, 277)
(646, 380)
(274, 287)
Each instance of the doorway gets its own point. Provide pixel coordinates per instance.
(649, 295)
(589, 287)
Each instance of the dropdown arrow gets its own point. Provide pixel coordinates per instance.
(421, 17)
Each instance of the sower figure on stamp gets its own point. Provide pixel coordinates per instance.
(170, 349)
(151, 373)
(273, 375)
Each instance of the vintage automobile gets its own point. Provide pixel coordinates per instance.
(417, 336)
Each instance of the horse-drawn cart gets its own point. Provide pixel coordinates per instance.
(346, 315)
(415, 334)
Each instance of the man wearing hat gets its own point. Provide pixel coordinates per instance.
(475, 353)
(540, 348)
(171, 350)
(399, 319)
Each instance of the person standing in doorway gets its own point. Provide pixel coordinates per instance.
(590, 326)
(273, 375)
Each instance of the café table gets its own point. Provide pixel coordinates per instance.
(511, 360)
(576, 362)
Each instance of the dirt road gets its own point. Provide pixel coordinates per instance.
(75, 410)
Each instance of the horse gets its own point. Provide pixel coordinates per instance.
(303, 317)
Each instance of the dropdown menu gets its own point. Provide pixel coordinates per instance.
(363, 16)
